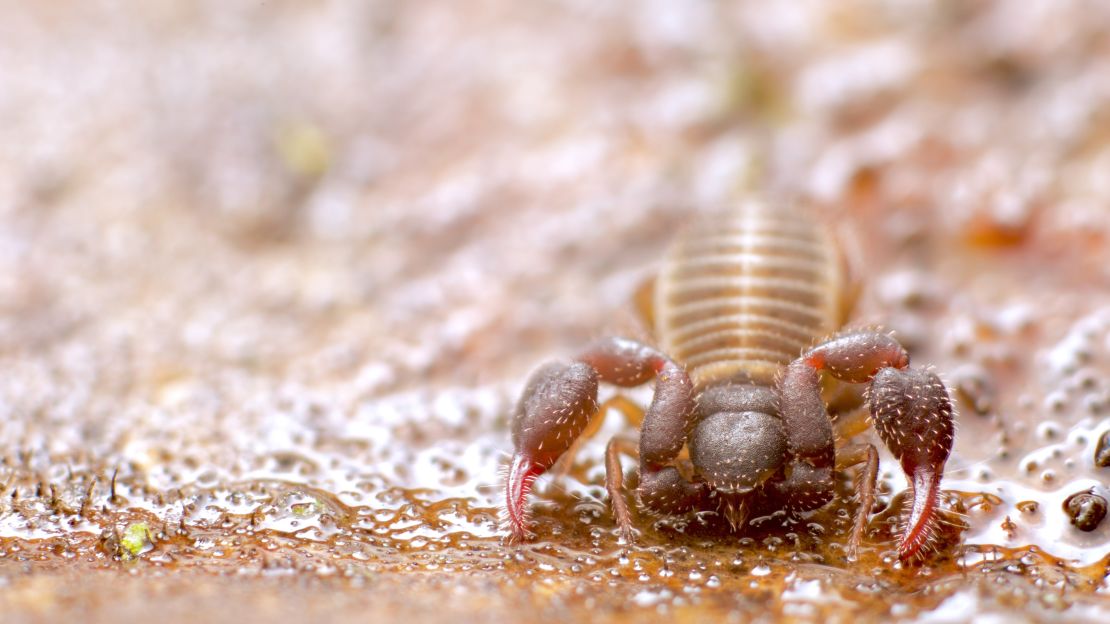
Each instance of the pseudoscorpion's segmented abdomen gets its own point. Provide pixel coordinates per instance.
(744, 296)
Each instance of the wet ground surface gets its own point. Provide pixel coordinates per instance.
(271, 279)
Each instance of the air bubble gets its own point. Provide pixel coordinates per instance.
(1048, 430)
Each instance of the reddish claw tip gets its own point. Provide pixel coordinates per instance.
(923, 513)
(518, 483)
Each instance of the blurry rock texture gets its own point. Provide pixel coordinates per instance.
(272, 275)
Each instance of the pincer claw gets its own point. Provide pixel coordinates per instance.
(912, 414)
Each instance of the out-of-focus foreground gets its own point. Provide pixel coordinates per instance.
(272, 274)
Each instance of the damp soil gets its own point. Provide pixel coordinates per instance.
(272, 277)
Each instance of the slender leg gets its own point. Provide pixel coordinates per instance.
(844, 398)
(851, 423)
(614, 482)
(865, 488)
(560, 401)
(633, 413)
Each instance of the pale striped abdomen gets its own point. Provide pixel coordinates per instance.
(744, 295)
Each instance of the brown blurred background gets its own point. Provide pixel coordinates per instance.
(271, 275)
